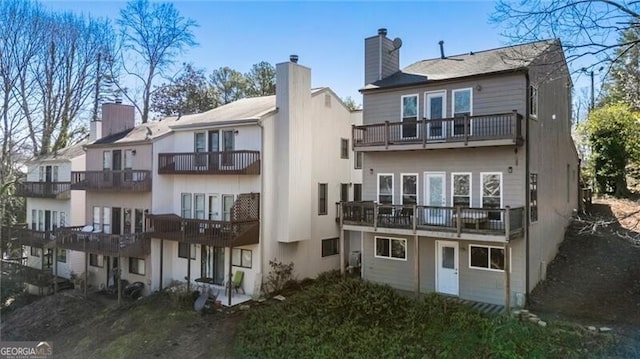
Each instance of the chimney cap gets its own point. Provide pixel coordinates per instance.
(293, 58)
(382, 31)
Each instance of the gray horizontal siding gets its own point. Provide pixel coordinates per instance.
(474, 160)
(474, 284)
(498, 94)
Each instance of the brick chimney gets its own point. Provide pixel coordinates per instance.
(117, 117)
(381, 57)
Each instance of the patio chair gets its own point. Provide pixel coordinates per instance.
(236, 282)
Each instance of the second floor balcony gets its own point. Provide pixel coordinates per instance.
(115, 245)
(480, 130)
(210, 163)
(112, 181)
(499, 224)
(241, 229)
(57, 190)
(25, 236)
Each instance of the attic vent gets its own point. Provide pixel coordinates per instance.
(327, 100)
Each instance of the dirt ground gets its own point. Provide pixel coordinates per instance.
(153, 327)
(595, 278)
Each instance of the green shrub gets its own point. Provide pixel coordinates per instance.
(336, 317)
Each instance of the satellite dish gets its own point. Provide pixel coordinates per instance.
(397, 42)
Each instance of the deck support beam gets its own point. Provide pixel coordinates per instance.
(416, 265)
(507, 279)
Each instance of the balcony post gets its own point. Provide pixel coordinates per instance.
(458, 221)
(514, 125)
(119, 276)
(55, 268)
(86, 265)
(507, 222)
(416, 264)
(353, 137)
(466, 129)
(375, 216)
(341, 214)
(507, 279)
(386, 134)
(415, 219)
(423, 132)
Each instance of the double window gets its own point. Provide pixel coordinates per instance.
(62, 255)
(486, 257)
(330, 247)
(185, 205)
(184, 249)
(392, 248)
(241, 258)
(409, 189)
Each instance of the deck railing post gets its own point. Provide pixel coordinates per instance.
(415, 219)
(386, 134)
(466, 129)
(514, 125)
(507, 222)
(423, 132)
(458, 221)
(375, 216)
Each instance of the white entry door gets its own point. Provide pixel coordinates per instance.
(215, 213)
(447, 267)
(434, 184)
(435, 112)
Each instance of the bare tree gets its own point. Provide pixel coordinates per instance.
(188, 93)
(587, 28)
(153, 35)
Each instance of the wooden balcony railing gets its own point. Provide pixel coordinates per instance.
(212, 163)
(59, 190)
(30, 237)
(243, 228)
(500, 221)
(122, 245)
(460, 129)
(112, 181)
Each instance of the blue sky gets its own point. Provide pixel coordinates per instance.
(328, 36)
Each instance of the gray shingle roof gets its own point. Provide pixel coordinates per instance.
(67, 153)
(502, 59)
(251, 108)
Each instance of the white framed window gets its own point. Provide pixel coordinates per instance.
(106, 220)
(385, 188)
(357, 163)
(55, 174)
(138, 225)
(199, 142)
(391, 248)
(409, 188)
(486, 258)
(533, 102)
(54, 220)
(409, 114)
(241, 258)
(35, 251)
(96, 260)
(127, 215)
(41, 174)
(491, 193)
(461, 106)
(461, 189)
(228, 145)
(185, 205)
(34, 219)
(96, 218)
(184, 248)
(344, 148)
(63, 219)
(40, 220)
(198, 204)
(136, 266)
(227, 206)
(330, 247)
(106, 160)
(322, 199)
(62, 255)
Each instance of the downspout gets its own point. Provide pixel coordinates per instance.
(261, 234)
(526, 186)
